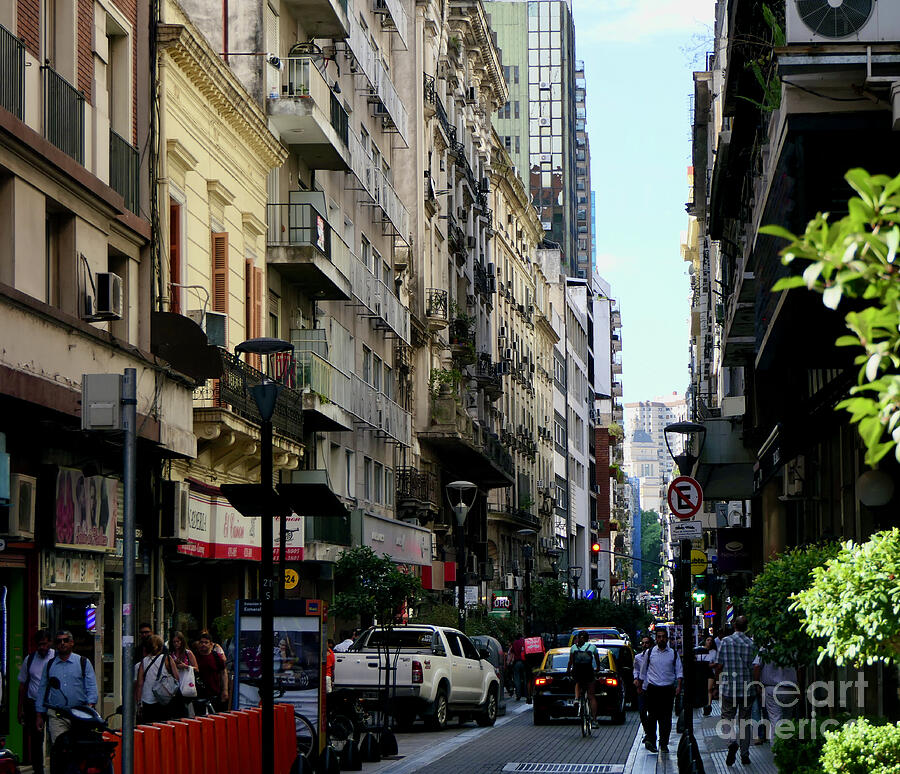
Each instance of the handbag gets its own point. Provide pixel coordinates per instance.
(186, 683)
(165, 686)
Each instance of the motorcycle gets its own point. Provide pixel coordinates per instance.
(82, 749)
(9, 763)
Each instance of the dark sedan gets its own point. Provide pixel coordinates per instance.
(554, 690)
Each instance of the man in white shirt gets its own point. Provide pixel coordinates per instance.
(29, 679)
(660, 682)
(646, 644)
(344, 645)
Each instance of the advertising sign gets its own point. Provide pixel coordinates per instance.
(299, 657)
(733, 549)
(87, 509)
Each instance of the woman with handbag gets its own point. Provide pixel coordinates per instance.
(157, 682)
(186, 664)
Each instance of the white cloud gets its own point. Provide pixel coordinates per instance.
(632, 21)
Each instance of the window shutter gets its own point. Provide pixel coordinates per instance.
(248, 299)
(220, 271)
(257, 301)
(174, 257)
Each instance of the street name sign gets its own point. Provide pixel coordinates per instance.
(685, 497)
(686, 530)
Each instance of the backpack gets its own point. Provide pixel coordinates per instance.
(50, 664)
(584, 657)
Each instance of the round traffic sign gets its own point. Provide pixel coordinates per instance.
(291, 579)
(685, 497)
(698, 562)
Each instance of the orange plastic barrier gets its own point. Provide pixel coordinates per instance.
(195, 745)
(285, 738)
(208, 742)
(226, 742)
(244, 762)
(139, 752)
(182, 746)
(151, 757)
(108, 736)
(167, 759)
(255, 740)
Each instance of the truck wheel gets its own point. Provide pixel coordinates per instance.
(488, 716)
(437, 721)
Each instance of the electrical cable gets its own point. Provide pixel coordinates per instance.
(823, 96)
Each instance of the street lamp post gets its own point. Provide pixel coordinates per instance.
(461, 496)
(265, 395)
(575, 575)
(685, 440)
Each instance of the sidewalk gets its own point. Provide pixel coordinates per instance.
(713, 750)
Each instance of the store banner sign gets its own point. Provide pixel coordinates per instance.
(734, 550)
(403, 543)
(87, 510)
(71, 571)
(216, 530)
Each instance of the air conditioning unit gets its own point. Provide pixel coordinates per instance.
(734, 513)
(379, 110)
(19, 514)
(174, 521)
(794, 476)
(850, 21)
(214, 325)
(106, 303)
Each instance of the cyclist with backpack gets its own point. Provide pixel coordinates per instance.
(583, 658)
(29, 681)
(75, 685)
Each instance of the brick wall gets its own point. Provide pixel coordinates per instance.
(604, 503)
(28, 14)
(85, 48)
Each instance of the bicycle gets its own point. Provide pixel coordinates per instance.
(584, 714)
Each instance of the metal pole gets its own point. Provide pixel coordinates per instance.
(461, 563)
(282, 555)
(129, 424)
(687, 763)
(267, 612)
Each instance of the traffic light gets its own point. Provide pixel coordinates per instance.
(595, 548)
(701, 586)
(699, 595)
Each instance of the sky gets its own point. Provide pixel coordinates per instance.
(639, 58)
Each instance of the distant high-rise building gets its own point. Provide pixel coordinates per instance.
(584, 210)
(540, 124)
(646, 455)
(593, 230)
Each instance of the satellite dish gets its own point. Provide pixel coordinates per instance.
(835, 18)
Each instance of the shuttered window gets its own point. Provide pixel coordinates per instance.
(220, 271)
(253, 282)
(174, 257)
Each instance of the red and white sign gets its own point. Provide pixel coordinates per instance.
(685, 497)
(217, 531)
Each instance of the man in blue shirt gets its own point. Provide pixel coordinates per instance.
(77, 686)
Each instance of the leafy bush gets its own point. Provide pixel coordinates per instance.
(854, 602)
(775, 627)
(502, 629)
(371, 586)
(798, 746)
(437, 615)
(862, 748)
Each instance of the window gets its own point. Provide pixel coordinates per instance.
(220, 271)
(253, 279)
(378, 480)
(387, 276)
(468, 648)
(176, 264)
(274, 314)
(388, 386)
(388, 487)
(349, 473)
(365, 252)
(118, 78)
(376, 372)
(452, 639)
(367, 478)
(367, 365)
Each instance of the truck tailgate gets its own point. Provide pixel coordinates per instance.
(361, 669)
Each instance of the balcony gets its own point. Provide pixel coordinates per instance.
(308, 116)
(437, 308)
(617, 389)
(124, 168)
(394, 18)
(417, 488)
(384, 98)
(63, 114)
(321, 18)
(232, 391)
(466, 450)
(325, 389)
(380, 302)
(303, 247)
(489, 376)
(616, 343)
(617, 369)
(379, 189)
(379, 412)
(12, 65)
(615, 319)
(520, 518)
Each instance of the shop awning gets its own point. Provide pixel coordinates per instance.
(309, 494)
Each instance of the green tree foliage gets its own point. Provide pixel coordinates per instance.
(503, 629)
(371, 587)
(549, 603)
(798, 746)
(774, 624)
(861, 747)
(854, 602)
(855, 258)
(436, 614)
(605, 612)
(651, 540)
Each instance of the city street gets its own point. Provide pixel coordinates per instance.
(514, 744)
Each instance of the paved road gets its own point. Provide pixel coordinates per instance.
(514, 744)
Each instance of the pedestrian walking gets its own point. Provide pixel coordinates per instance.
(705, 660)
(780, 690)
(734, 665)
(329, 667)
(518, 661)
(661, 676)
(29, 681)
(646, 645)
(212, 676)
(152, 704)
(186, 665)
(75, 685)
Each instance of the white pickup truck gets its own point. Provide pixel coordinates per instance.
(438, 672)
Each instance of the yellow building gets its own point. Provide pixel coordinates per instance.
(217, 152)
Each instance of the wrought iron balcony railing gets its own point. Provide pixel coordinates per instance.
(232, 390)
(124, 168)
(63, 114)
(12, 73)
(436, 304)
(420, 486)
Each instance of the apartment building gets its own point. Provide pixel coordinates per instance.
(79, 294)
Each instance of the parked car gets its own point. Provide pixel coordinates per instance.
(497, 657)
(595, 633)
(438, 672)
(554, 690)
